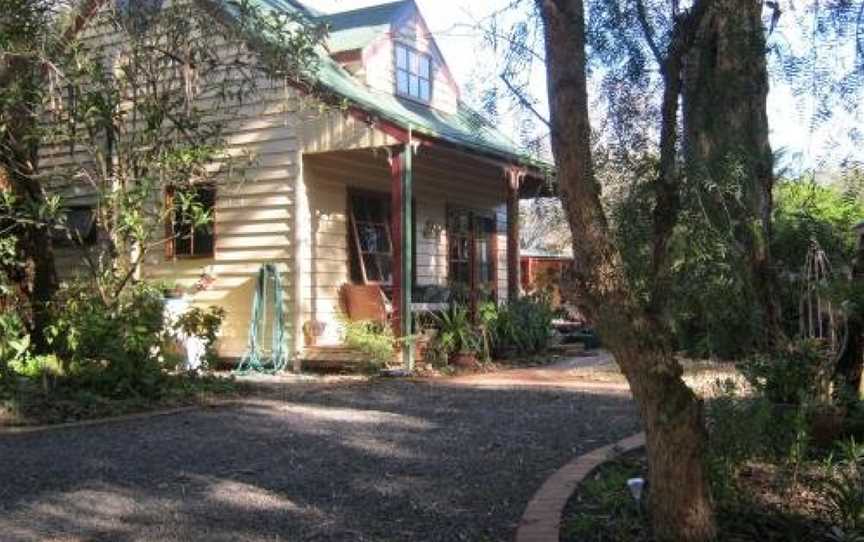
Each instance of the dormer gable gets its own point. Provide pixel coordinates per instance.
(390, 49)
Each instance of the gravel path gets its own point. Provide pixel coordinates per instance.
(381, 460)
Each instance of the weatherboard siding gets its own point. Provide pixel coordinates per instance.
(379, 65)
(254, 213)
(441, 181)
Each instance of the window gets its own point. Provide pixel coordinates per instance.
(459, 236)
(413, 74)
(471, 251)
(78, 227)
(186, 239)
(372, 243)
(371, 239)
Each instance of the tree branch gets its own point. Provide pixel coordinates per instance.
(642, 15)
(525, 101)
(667, 185)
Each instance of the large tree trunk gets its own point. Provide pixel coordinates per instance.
(33, 274)
(726, 135)
(672, 416)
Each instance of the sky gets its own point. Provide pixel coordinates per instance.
(805, 145)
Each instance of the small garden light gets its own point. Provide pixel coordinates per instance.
(636, 487)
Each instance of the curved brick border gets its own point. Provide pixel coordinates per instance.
(541, 521)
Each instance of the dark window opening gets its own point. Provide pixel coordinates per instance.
(186, 238)
(77, 228)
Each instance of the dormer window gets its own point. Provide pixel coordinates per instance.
(413, 74)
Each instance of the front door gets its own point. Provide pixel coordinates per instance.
(472, 255)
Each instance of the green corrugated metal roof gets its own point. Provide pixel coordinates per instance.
(355, 29)
(465, 127)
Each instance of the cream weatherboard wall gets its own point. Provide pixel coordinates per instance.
(254, 222)
(254, 210)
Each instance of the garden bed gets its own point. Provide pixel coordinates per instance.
(766, 504)
(31, 405)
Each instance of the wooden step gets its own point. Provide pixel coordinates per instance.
(333, 356)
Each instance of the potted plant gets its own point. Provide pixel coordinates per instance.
(172, 290)
(458, 337)
(313, 329)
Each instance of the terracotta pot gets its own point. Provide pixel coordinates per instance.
(465, 360)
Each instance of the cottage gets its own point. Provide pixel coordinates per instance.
(405, 188)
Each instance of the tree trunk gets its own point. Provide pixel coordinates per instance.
(672, 416)
(33, 274)
(726, 135)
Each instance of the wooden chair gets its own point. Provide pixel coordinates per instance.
(365, 302)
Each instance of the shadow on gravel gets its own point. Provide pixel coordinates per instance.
(388, 460)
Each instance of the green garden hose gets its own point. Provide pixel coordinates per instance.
(255, 360)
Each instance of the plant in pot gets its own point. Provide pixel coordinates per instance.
(172, 290)
(312, 329)
(459, 337)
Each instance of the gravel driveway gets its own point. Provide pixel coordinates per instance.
(381, 460)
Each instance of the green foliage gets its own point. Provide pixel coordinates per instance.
(14, 342)
(112, 349)
(603, 509)
(457, 333)
(845, 489)
(374, 339)
(709, 303)
(805, 211)
(204, 324)
(792, 376)
(38, 367)
(736, 433)
(524, 325)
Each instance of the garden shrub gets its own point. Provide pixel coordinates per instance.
(374, 339)
(14, 342)
(844, 488)
(736, 433)
(793, 375)
(524, 325)
(113, 349)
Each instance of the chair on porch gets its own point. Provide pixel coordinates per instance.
(365, 302)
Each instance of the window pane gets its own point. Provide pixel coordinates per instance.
(412, 61)
(183, 243)
(402, 82)
(424, 90)
(415, 86)
(401, 57)
(204, 241)
(373, 237)
(379, 267)
(189, 240)
(424, 67)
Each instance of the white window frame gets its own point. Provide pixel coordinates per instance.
(409, 71)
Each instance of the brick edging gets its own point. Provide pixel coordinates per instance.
(541, 521)
(28, 429)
